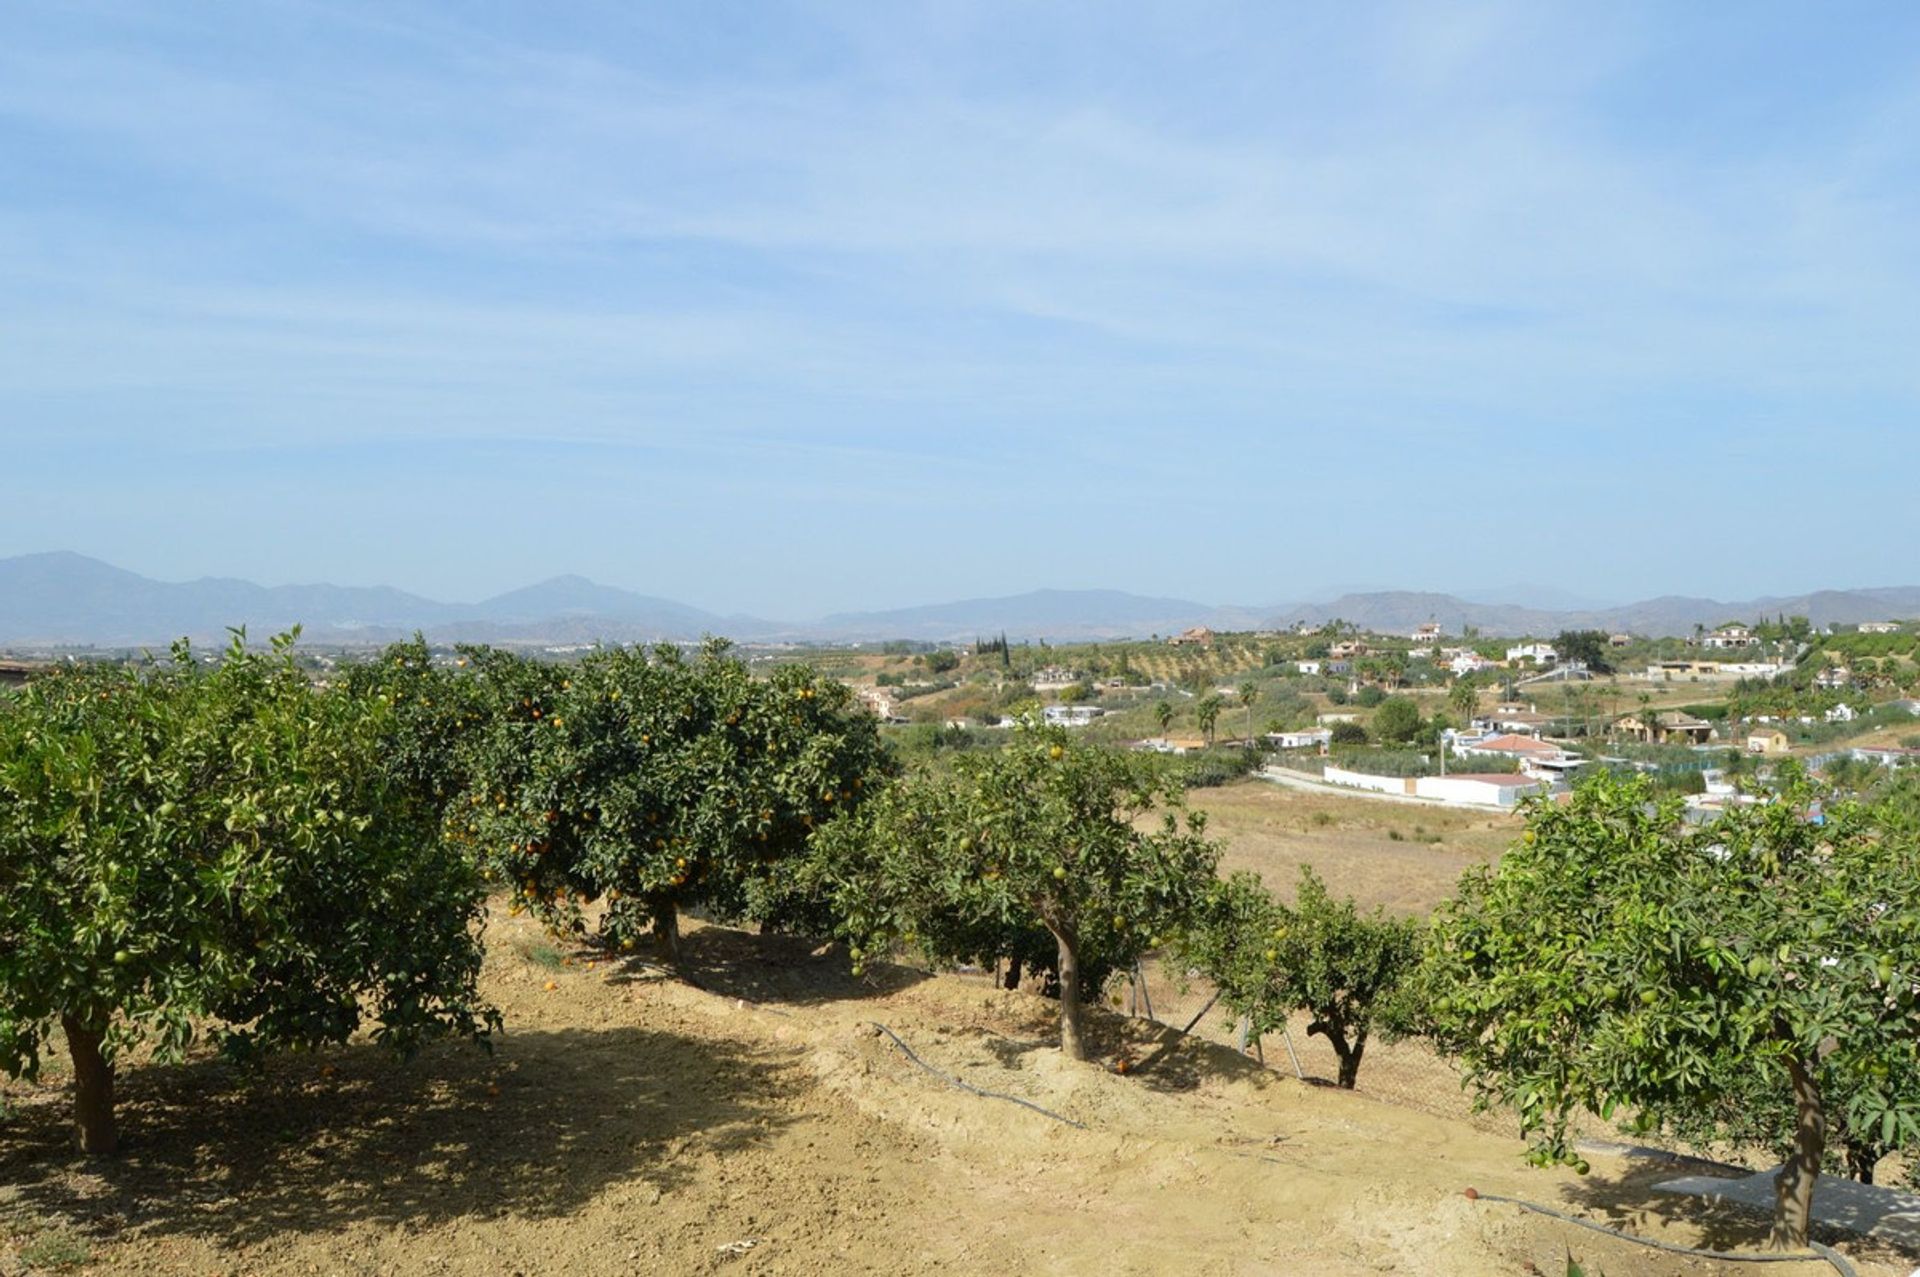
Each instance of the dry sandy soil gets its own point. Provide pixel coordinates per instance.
(745, 1117)
(1399, 856)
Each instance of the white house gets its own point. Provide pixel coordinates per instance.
(1833, 679)
(1536, 757)
(1311, 739)
(1538, 653)
(1307, 667)
(1842, 713)
(1728, 636)
(1469, 663)
(1072, 715)
(1879, 627)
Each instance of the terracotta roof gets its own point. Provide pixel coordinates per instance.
(1512, 744)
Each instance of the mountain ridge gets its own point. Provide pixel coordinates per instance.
(65, 598)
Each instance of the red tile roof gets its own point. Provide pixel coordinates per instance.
(1512, 744)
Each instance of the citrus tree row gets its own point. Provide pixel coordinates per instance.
(229, 851)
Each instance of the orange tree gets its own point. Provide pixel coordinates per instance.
(969, 862)
(659, 783)
(1618, 960)
(1320, 955)
(426, 715)
(225, 850)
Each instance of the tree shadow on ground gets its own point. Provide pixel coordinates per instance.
(1165, 1059)
(1626, 1199)
(782, 969)
(357, 1135)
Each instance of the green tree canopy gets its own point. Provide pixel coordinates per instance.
(659, 783)
(1619, 961)
(1321, 956)
(1037, 839)
(225, 850)
(1397, 721)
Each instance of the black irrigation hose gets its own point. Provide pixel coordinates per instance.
(1814, 1249)
(974, 1090)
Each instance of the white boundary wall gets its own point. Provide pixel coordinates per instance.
(1360, 780)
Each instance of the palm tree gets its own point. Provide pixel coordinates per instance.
(1249, 693)
(1163, 714)
(1206, 713)
(1464, 700)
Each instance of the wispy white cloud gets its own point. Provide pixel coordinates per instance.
(866, 241)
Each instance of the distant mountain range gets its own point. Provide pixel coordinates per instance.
(66, 599)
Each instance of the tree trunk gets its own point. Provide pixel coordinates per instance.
(1072, 1044)
(1012, 980)
(1793, 1187)
(1350, 1063)
(666, 929)
(1348, 1053)
(92, 1090)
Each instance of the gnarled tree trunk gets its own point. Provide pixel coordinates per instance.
(1793, 1187)
(1349, 1053)
(93, 1123)
(1012, 978)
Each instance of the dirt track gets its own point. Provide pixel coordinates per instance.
(758, 1124)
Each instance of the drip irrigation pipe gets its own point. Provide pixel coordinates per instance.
(969, 1088)
(1814, 1249)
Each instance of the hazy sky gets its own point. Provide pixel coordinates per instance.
(789, 309)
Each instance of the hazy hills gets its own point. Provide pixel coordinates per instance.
(65, 598)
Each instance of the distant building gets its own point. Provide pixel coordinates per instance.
(1198, 636)
(1479, 789)
(1887, 755)
(1879, 627)
(1310, 739)
(1428, 633)
(1767, 740)
(1072, 715)
(1538, 653)
(1671, 727)
(1842, 713)
(1729, 636)
(1619, 640)
(1833, 678)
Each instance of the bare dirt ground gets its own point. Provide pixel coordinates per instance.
(746, 1117)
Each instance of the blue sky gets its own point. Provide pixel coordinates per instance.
(797, 308)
